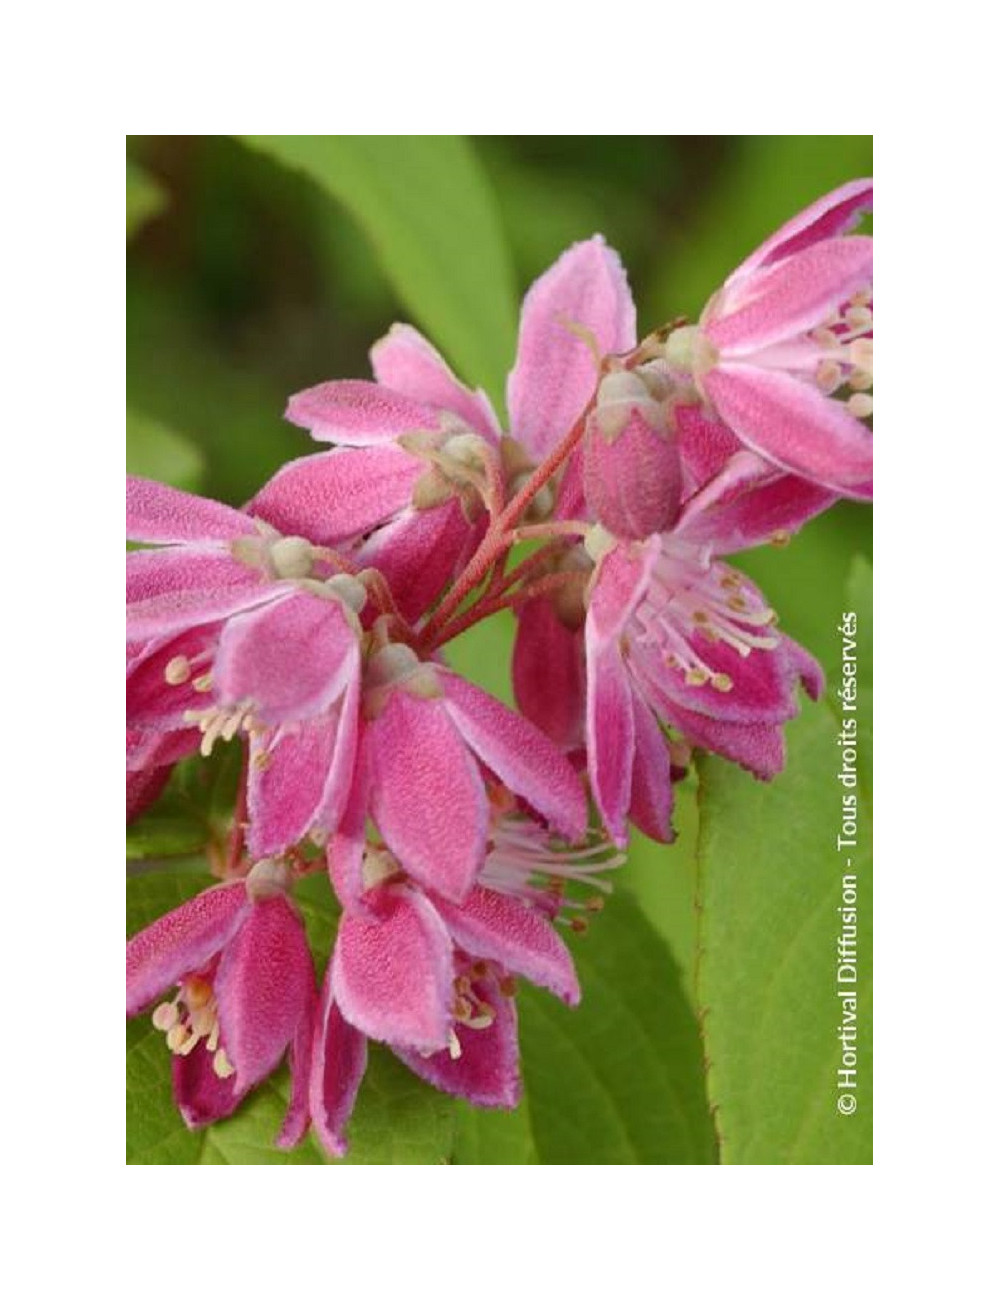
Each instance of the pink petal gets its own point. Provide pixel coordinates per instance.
(144, 749)
(157, 513)
(507, 930)
(619, 584)
(427, 795)
(264, 986)
(834, 214)
(610, 736)
(345, 850)
(173, 589)
(142, 789)
(748, 515)
(334, 496)
(652, 796)
(548, 673)
(403, 360)
(706, 446)
(296, 1121)
(201, 1096)
(486, 1073)
(760, 749)
(763, 683)
(521, 756)
(805, 667)
(633, 483)
(555, 374)
(358, 413)
(151, 702)
(181, 942)
(793, 296)
(392, 977)
(795, 426)
(339, 1057)
(292, 658)
(420, 552)
(287, 776)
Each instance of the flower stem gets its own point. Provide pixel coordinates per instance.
(499, 537)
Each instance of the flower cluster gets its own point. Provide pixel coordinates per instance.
(311, 627)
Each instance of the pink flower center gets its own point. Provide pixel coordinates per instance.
(689, 599)
(192, 1018)
(847, 368)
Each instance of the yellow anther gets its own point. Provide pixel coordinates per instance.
(859, 318)
(722, 682)
(860, 405)
(177, 1036)
(197, 993)
(166, 1016)
(454, 1046)
(696, 677)
(828, 376)
(178, 670)
(202, 683)
(780, 538)
(221, 1064)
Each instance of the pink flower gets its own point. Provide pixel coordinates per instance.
(432, 979)
(783, 352)
(245, 994)
(243, 630)
(427, 739)
(673, 636)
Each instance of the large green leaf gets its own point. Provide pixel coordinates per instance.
(772, 881)
(398, 1119)
(618, 1080)
(154, 451)
(426, 204)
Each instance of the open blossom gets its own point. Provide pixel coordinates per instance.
(428, 738)
(245, 630)
(433, 979)
(783, 352)
(246, 994)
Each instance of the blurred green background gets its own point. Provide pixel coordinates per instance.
(248, 280)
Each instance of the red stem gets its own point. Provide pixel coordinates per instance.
(497, 540)
(484, 608)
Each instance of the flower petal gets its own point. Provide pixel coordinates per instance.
(339, 1058)
(296, 1121)
(736, 511)
(834, 214)
(486, 1073)
(795, 426)
(610, 735)
(403, 360)
(392, 976)
(157, 513)
(173, 589)
(287, 776)
(555, 374)
(264, 986)
(181, 942)
(201, 1096)
(151, 702)
(793, 296)
(420, 552)
(521, 756)
(759, 749)
(335, 496)
(548, 672)
(507, 930)
(358, 413)
(292, 659)
(651, 802)
(427, 796)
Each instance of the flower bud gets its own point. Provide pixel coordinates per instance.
(631, 464)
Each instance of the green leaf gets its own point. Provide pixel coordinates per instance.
(398, 1119)
(772, 880)
(494, 1137)
(144, 197)
(617, 1080)
(194, 812)
(426, 204)
(769, 179)
(154, 451)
